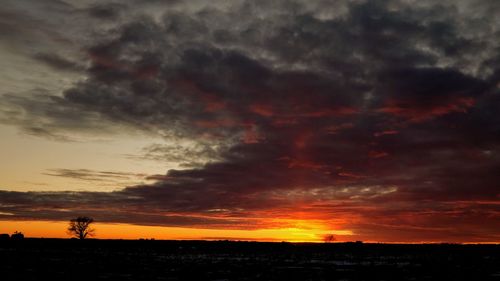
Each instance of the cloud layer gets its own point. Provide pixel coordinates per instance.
(378, 117)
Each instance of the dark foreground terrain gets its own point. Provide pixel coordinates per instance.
(54, 259)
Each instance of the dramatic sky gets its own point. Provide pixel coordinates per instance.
(264, 119)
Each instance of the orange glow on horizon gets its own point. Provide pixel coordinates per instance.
(299, 231)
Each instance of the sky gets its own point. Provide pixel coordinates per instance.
(259, 120)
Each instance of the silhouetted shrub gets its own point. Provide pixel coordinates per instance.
(17, 236)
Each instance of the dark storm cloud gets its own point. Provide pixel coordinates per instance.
(106, 11)
(385, 105)
(65, 205)
(49, 116)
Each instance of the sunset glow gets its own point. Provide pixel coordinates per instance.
(309, 233)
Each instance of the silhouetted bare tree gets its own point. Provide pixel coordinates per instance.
(328, 238)
(80, 227)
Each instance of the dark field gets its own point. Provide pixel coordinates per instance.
(53, 259)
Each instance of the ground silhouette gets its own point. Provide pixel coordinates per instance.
(64, 259)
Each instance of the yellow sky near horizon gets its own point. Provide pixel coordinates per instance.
(31, 158)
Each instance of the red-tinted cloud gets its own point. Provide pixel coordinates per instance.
(352, 121)
(414, 112)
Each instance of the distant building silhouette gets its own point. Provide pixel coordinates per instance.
(4, 236)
